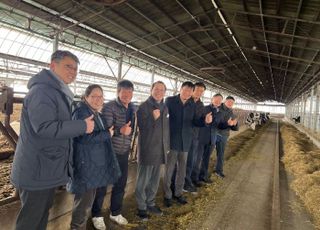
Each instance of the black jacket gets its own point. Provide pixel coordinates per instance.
(115, 114)
(223, 127)
(94, 162)
(43, 156)
(182, 118)
(207, 134)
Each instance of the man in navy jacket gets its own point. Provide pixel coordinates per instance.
(182, 119)
(43, 157)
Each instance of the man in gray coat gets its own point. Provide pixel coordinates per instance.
(42, 160)
(153, 146)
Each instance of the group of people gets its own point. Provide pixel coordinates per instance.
(87, 146)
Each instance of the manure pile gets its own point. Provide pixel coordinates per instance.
(302, 159)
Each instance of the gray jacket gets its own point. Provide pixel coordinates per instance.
(43, 156)
(116, 115)
(154, 139)
(223, 127)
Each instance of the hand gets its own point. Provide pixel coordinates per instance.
(208, 118)
(111, 131)
(126, 129)
(156, 113)
(235, 121)
(90, 124)
(230, 122)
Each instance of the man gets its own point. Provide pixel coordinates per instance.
(229, 122)
(153, 146)
(119, 113)
(207, 141)
(198, 92)
(43, 156)
(182, 118)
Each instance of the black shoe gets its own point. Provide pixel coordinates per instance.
(206, 180)
(189, 188)
(198, 184)
(180, 199)
(221, 175)
(167, 202)
(155, 210)
(143, 215)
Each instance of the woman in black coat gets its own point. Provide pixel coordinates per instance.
(94, 161)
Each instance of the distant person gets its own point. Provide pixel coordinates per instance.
(229, 122)
(94, 162)
(153, 147)
(120, 114)
(42, 161)
(182, 118)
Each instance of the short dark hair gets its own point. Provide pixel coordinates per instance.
(200, 84)
(218, 95)
(158, 82)
(230, 98)
(124, 84)
(61, 54)
(188, 84)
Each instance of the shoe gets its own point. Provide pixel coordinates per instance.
(206, 180)
(221, 175)
(155, 210)
(143, 215)
(180, 199)
(189, 188)
(119, 219)
(98, 223)
(167, 202)
(198, 184)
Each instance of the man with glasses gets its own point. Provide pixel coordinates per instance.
(43, 157)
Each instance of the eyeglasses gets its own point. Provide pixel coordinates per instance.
(71, 68)
(97, 97)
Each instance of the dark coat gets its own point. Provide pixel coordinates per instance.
(43, 153)
(207, 134)
(182, 118)
(223, 127)
(154, 135)
(94, 161)
(199, 113)
(116, 115)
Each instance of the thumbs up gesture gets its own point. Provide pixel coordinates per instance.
(235, 121)
(232, 122)
(208, 118)
(111, 130)
(90, 124)
(156, 113)
(126, 129)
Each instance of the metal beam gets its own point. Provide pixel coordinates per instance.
(267, 49)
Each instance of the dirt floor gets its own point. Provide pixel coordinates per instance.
(245, 194)
(180, 217)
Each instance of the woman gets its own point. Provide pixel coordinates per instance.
(94, 162)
